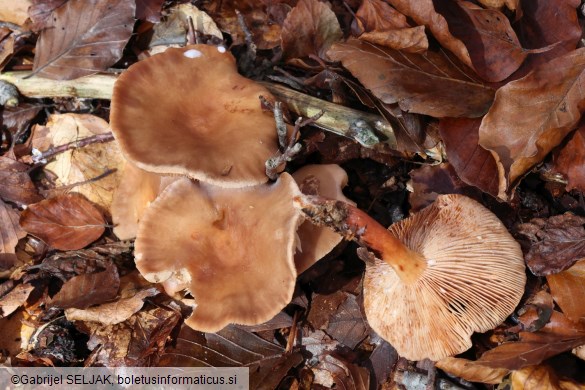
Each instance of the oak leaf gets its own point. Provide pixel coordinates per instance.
(65, 222)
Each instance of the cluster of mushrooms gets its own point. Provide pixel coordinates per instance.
(207, 221)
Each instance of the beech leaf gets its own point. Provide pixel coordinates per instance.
(427, 83)
(85, 290)
(149, 10)
(541, 377)
(83, 37)
(309, 28)
(480, 40)
(473, 164)
(570, 161)
(568, 290)
(65, 222)
(532, 115)
(14, 299)
(558, 336)
(15, 183)
(472, 371)
(10, 233)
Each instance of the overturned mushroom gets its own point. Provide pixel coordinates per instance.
(232, 248)
(448, 271)
(316, 241)
(187, 111)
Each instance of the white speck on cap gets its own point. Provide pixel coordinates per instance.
(221, 49)
(192, 53)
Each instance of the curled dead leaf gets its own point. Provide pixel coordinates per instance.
(114, 312)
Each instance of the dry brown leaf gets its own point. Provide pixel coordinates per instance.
(547, 23)
(540, 377)
(557, 243)
(173, 29)
(15, 183)
(265, 28)
(492, 44)
(40, 12)
(14, 299)
(568, 290)
(10, 233)
(430, 181)
(149, 10)
(427, 83)
(379, 15)
(347, 325)
(473, 164)
(472, 371)
(14, 11)
(114, 312)
(138, 341)
(511, 4)
(410, 40)
(85, 290)
(309, 28)
(83, 37)
(532, 115)
(558, 336)
(385, 26)
(492, 48)
(82, 164)
(65, 222)
(569, 161)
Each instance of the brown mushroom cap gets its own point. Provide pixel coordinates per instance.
(233, 248)
(137, 189)
(187, 111)
(473, 279)
(316, 241)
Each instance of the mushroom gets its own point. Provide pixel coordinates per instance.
(326, 180)
(438, 276)
(188, 112)
(137, 189)
(232, 248)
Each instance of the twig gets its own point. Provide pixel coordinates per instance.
(336, 119)
(290, 342)
(107, 137)
(108, 172)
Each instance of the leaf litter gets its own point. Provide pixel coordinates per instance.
(454, 79)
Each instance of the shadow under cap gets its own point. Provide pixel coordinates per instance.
(473, 279)
(187, 111)
(233, 248)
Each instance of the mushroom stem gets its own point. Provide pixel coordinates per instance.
(354, 224)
